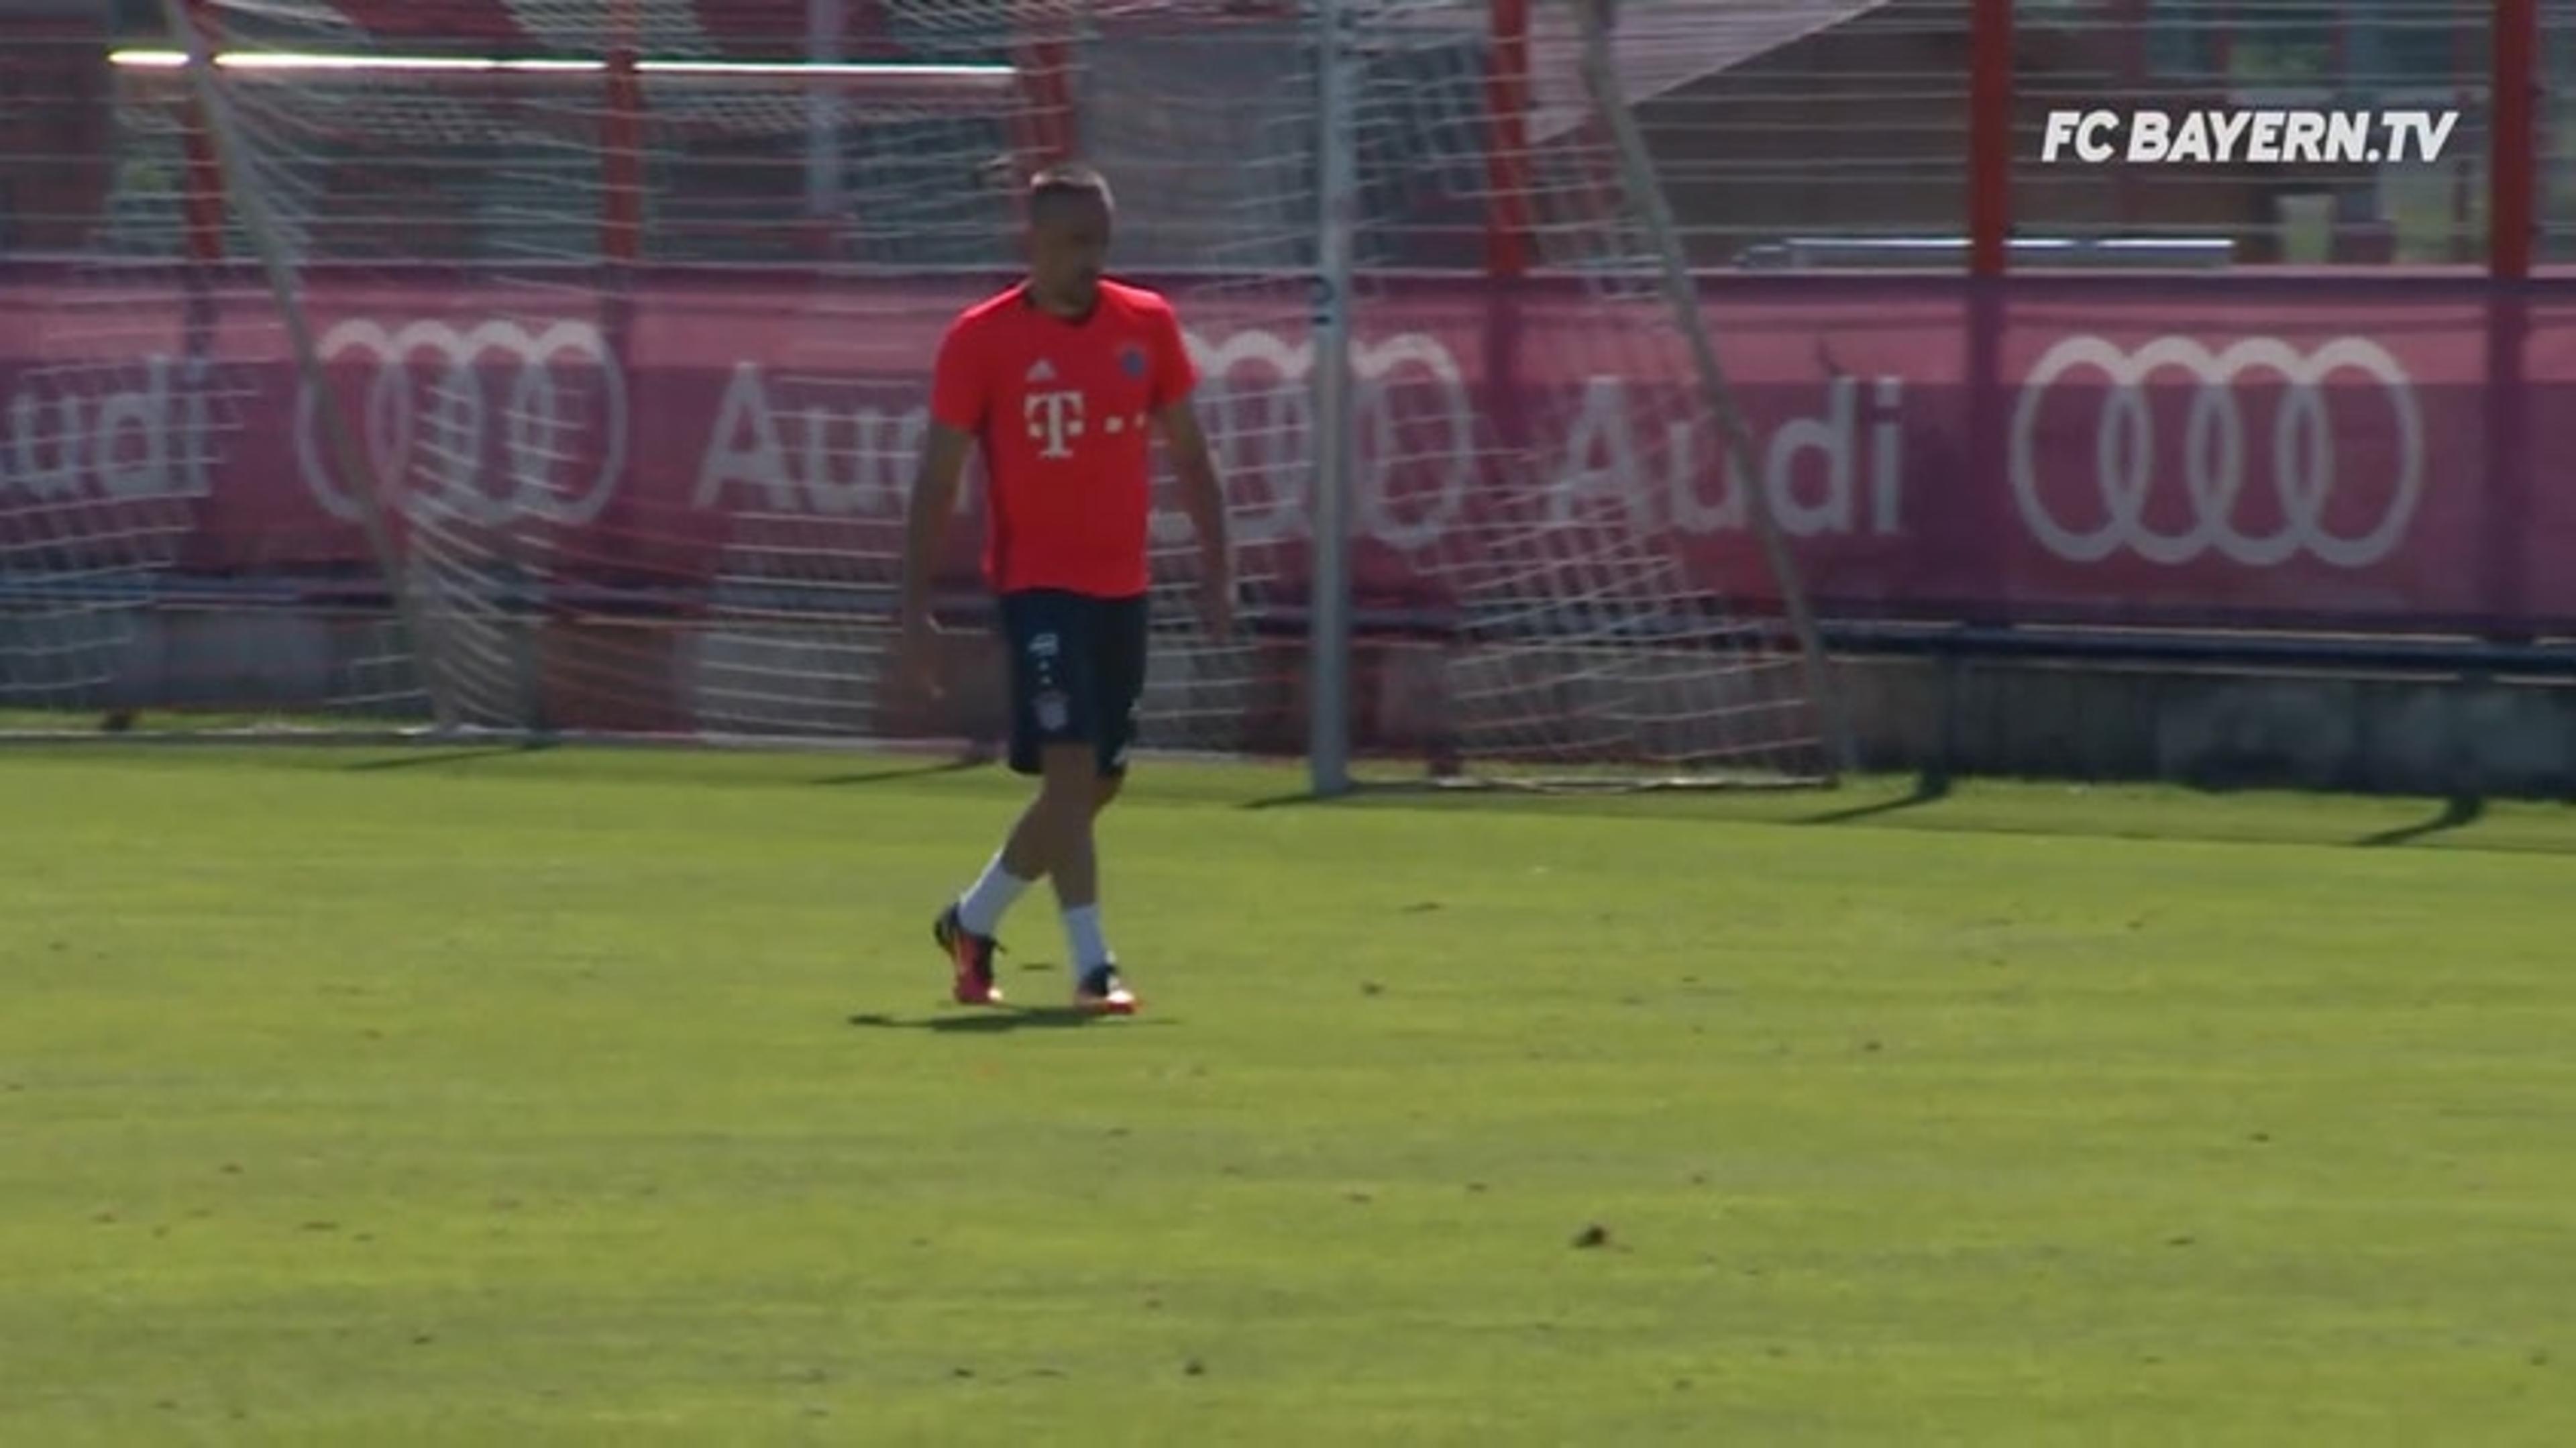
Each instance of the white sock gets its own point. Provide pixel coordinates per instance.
(980, 909)
(1082, 932)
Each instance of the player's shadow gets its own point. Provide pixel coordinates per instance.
(1928, 789)
(999, 1021)
(923, 770)
(2459, 810)
(430, 758)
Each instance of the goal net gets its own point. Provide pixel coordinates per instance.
(559, 366)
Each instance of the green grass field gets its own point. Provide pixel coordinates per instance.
(611, 1097)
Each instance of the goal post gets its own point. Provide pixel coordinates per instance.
(239, 184)
(1575, 634)
(1645, 191)
(564, 365)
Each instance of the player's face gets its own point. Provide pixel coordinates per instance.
(1068, 246)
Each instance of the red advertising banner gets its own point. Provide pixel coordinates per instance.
(2289, 451)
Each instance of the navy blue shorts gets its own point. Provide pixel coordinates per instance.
(1077, 673)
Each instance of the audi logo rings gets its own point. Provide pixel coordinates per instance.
(1417, 364)
(2128, 465)
(436, 464)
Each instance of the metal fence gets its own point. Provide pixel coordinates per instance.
(1773, 121)
(2355, 438)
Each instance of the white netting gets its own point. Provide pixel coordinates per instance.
(104, 406)
(628, 368)
(99, 456)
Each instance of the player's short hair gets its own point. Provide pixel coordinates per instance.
(1065, 183)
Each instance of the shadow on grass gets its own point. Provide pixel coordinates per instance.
(2457, 811)
(1001, 1021)
(432, 758)
(1609, 797)
(1928, 789)
(923, 770)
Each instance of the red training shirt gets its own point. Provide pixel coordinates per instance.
(1063, 411)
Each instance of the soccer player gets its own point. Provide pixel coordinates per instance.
(1059, 381)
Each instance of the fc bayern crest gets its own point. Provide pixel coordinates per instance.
(1131, 360)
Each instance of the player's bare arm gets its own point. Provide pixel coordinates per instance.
(934, 499)
(1203, 499)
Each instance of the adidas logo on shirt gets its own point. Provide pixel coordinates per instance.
(1044, 371)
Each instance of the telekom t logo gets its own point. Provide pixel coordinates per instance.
(1054, 418)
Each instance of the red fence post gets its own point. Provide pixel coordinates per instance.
(2511, 177)
(562, 693)
(1048, 130)
(2513, 139)
(621, 155)
(1990, 172)
(1990, 135)
(1507, 89)
(202, 205)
